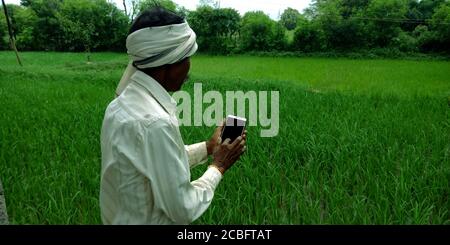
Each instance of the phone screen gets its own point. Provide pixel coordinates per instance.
(234, 127)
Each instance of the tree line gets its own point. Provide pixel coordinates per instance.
(325, 26)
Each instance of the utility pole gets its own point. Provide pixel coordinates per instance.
(11, 37)
(3, 214)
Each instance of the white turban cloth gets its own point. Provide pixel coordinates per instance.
(157, 46)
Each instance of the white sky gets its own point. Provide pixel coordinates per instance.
(272, 7)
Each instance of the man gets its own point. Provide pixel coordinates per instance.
(145, 176)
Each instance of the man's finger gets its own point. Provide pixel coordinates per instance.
(244, 135)
(226, 141)
(236, 142)
(222, 125)
(238, 148)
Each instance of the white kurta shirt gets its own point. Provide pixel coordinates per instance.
(145, 177)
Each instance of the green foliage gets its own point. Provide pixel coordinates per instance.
(428, 7)
(47, 29)
(167, 4)
(216, 28)
(69, 25)
(22, 21)
(440, 23)
(405, 42)
(3, 31)
(340, 32)
(279, 40)
(92, 24)
(289, 18)
(77, 20)
(380, 26)
(309, 38)
(24, 18)
(353, 26)
(258, 31)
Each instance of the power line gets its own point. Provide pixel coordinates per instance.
(409, 21)
(412, 21)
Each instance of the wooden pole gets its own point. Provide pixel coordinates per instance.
(3, 213)
(11, 37)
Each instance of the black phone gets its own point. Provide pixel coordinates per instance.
(233, 128)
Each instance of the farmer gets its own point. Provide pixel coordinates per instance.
(145, 177)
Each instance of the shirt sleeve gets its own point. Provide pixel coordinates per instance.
(167, 168)
(197, 154)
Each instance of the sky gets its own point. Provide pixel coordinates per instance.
(271, 7)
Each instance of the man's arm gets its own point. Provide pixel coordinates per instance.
(197, 154)
(167, 168)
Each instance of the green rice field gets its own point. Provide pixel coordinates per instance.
(360, 141)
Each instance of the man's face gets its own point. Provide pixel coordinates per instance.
(177, 74)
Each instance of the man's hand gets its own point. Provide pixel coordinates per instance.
(215, 140)
(212, 143)
(226, 154)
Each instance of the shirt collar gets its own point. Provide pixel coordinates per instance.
(156, 90)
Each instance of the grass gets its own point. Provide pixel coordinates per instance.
(361, 141)
(393, 77)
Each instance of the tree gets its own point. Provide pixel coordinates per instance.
(182, 11)
(256, 31)
(427, 7)
(216, 29)
(130, 8)
(440, 23)
(279, 40)
(341, 22)
(289, 18)
(308, 37)
(22, 21)
(426, 40)
(167, 4)
(26, 3)
(3, 31)
(200, 21)
(92, 25)
(77, 20)
(383, 24)
(47, 30)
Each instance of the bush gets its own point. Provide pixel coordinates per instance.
(309, 38)
(23, 21)
(3, 32)
(257, 32)
(440, 25)
(427, 41)
(405, 42)
(279, 39)
(216, 29)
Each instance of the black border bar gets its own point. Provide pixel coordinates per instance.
(235, 233)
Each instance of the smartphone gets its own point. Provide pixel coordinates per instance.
(233, 128)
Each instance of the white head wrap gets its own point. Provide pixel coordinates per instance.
(157, 46)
